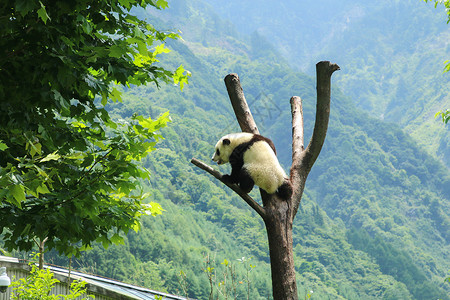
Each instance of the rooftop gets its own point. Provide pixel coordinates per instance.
(109, 288)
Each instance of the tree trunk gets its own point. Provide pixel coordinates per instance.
(41, 246)
(278, 223)
(278, 214)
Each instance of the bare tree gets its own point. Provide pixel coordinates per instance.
(278, 214)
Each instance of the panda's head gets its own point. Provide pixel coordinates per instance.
(226, 145)
(222, 150)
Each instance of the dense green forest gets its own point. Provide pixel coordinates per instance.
(374, 221)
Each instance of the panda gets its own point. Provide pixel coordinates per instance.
(253, 161)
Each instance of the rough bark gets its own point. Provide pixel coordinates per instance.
(278, 214)
(279, 235)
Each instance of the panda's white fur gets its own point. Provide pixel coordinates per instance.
(252, 156)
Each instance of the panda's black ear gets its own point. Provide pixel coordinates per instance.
(226, 141)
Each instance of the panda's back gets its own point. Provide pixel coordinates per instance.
(262, 164)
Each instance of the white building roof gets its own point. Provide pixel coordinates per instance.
(102, 288)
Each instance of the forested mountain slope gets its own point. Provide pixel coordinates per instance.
(374, 221)
(392, 54)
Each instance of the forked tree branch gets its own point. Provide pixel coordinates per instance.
(302, 159)
(253, 204)
(303, 162)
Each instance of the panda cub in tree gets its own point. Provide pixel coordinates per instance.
(253, 161)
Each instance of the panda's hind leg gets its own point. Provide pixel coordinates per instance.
(246, 182)
(285, 190)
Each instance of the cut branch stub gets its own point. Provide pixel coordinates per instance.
(240, 107)
(297, 128)
(297, 176)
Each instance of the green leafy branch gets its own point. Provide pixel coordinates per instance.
(445, 115)
(39, 284)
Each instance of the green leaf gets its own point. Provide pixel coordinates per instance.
(117, 51)
(42, 13)
(162, 4)
(142, 47)
(26, 230)
(161, 49)
(125, 3)
(104, 99)
(444, 114)
(136, 226)
(138, 33)
(180, 77)
(3, 146)
(447, 66)
(116, 95)
(147, 123)
(153, 209)
(18, 192)
(77, 155)
(42, 189)
(117, 239)
(24, 6)
(142, 60)
(35, 148)
(52, 156)
(67, 41)
(165, 118)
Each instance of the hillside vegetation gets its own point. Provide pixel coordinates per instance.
(374, 221)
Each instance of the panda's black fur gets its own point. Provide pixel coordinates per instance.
(253, 161)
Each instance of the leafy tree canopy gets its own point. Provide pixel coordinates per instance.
(68, 171)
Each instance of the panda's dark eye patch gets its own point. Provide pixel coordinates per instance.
(218, 152)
